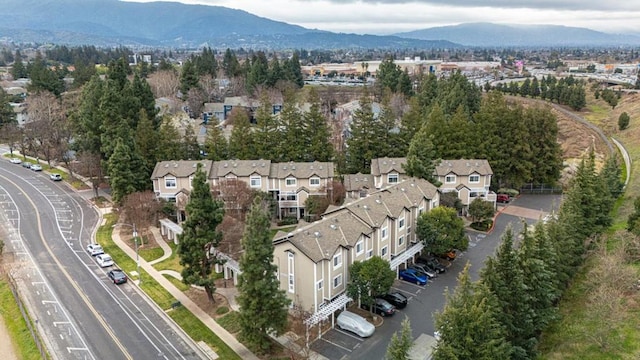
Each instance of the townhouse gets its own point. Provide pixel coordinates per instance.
(289, 183)
(313, 260)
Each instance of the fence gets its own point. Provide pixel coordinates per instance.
(34, 332)
(540, 189)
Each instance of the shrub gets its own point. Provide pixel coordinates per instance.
(222, 310)
(510, 192)
(288, 221)
(482, 225)
(623, 121)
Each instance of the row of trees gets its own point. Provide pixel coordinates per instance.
(566, 91)
(502, 315)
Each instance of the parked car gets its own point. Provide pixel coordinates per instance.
(425, 269)
(381, 307)
(15, 161)
(55, 177)
(117, 276)
(35, 167)
(104, 260)
(396, 299)
(355, 323)
(413, 276)
(503, 198)
(95, 249)
(26, 164)
(449, 255)
(432, 263)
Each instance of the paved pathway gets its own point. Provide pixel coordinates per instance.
(163, 244)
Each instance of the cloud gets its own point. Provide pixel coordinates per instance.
(577, 5)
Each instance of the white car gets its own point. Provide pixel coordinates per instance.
(55, 177)
(94, 249)
(36, 167)
(104, 260)
(355, 323)
(15, 161)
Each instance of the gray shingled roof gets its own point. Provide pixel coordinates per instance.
(386, 165)
(180, 168)
(302, 170)
(464, 167)
(321, 239)
(240, 168)
(354, 182)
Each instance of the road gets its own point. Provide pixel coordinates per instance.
(424, 302)
(78, 311)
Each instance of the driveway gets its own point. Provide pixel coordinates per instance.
(425, 301)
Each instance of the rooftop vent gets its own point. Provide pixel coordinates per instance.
(365, 207)
(311, 167)
(378, 201)
(320, 167)
(333, 226)
(293, 167)
(166, 165)
(225, 165)
(175, 165)
(317, 234)
(253, 165)
(284, 167)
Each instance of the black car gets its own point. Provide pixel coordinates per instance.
(117, 276)
(396, 299)
(432, 263)
(381, 307)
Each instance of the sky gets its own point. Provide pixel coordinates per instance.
(382, 17)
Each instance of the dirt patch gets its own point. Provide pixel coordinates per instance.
(200, 298)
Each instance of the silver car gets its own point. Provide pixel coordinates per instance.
(355, 323)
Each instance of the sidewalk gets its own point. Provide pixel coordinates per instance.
(223, 334)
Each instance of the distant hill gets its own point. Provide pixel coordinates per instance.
(171, 24)
(494, 35)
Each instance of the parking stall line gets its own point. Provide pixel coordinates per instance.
(346, 333)
(336, 345)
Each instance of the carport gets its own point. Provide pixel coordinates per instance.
(405, 256)
(325, 311)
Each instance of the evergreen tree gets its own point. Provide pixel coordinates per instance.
(241, 142)
(535, 88)
(363, 143)
(296, 132)
(147, 140)
(421, 162)
(117, 71)
(293, 71)
(390, 140)
(610, 176)
(259, 72)
(263, 306)
(461, 138)
(319, 147)
(546, 153)
(505, 279)
(267, 130)
(200, 237)
(190, 146)
(114, 126)
(633, 223)
(170, 147)
(623, 121)
(401, 342)
(275, 72)
(18, 70)
(127, 172)
(188, 77)
(216, 145)
(410, 123)
(230, 64)
(7, 115)
(86, 120)
(468, 326)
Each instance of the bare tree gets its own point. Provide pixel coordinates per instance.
(89, 165)
(196, 99)
(232, 230)
(47, 117)
(237, 196)
(165, 83)
(12, 136)
(141, 209)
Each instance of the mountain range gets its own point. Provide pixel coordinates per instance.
(177, 25)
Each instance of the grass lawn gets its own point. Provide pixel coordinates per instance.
(21, 339)
(231, 322)
(171, 263)
(151, 254)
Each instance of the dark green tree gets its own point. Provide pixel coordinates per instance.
(147, 140)
(293, 71)
(421, 161)
(623, 121)
(610, 175)
(259, 73)
(363, 143)
(216, 144)
(127, 172)
(263, 306)
(200, 237)
(188, 77)
(7, 115)
(401, 343)
(505, 279)
(267, 132)
(442, 230)
(117, 71)
(410, 123)
(296, 133)
(275, 72)
(241, 142)
(468, 326)
(319, 147)
(546, 153)
(633, 222)
(370, 278)
(169, 141)
(230, 64)
(190, 146)
(18, 70)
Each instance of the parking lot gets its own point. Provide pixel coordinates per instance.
(424, 301)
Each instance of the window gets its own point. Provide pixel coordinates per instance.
(291, 181)
(400, 223)
(408, 229)
(337, 261)
(314, 181)
(359, 247)
(450, 179)
(474, 179)
(256, 182)
(319, 285)
(383, 251)
(420, 211)
(392, 178)
(400, 241)
(291, 272)
(369, 253)
(385, 233)
(170, 183)
(337, 281)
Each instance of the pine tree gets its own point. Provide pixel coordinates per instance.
(200, 237)
(241, 142)
(319, 147)
(215, 144)
(293, 146)
(421, 161)
(263, 306)
(410, 124)
(363, 143)
(505, 279)
(267, 131)
(146, 140)
(468, 326)
(169, 144)
(546, 153)
(460, 137)
(401, 342)
(230, 64)
(190, 146)
(123, 179)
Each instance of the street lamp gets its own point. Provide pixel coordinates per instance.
(135, 241)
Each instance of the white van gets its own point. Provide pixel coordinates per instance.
(355, 323)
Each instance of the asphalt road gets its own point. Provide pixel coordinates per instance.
(81, 314)
(425, 301)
